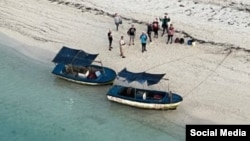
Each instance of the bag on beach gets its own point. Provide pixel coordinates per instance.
(120, 21)
(181, 41)
(190, 42)
(177, 40)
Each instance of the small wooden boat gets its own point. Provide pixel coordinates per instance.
(141, 97)
(77, 66)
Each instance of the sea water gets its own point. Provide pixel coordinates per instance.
(37, 106)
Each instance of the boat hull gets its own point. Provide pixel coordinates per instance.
(171, 106)
(104, 79)
(146, 99)
(85, 83)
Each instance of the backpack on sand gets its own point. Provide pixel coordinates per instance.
(181, 41)
(177, 40)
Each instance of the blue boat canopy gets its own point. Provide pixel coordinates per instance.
(74, 56)
(141, 77)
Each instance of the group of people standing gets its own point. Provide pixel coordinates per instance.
(167, 27)
(151, 27)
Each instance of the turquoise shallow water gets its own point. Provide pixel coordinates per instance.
(37, 106)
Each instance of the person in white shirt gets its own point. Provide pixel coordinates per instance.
(122, 44)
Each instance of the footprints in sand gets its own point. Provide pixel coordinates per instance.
(233, 14)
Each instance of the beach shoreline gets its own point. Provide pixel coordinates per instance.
(213, 76)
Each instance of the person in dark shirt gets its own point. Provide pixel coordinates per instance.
(131, 33)
(110, 38)
(164, 25)
(149, 31)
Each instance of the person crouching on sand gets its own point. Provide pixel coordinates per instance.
(122, 45)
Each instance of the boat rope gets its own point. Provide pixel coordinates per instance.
(100, 62)
(209, 75)
(171, 61)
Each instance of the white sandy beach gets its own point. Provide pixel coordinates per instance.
(213, 76)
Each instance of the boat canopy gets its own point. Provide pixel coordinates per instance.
(74, 57)
(141, 77)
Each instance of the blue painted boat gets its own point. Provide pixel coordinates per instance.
(77, 66)
(142, 97)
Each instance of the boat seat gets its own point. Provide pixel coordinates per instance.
(128, 92)
(84, 75)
